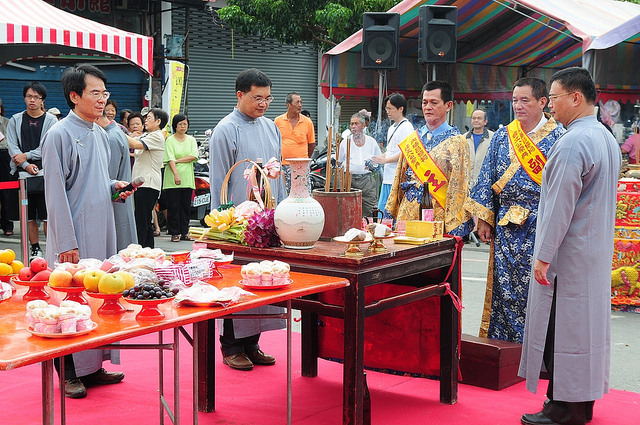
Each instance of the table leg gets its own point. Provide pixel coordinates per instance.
(47, 392)
(289, 359)
(353, 373)
(195, 353)
(176, 375)
(449, 340)
(309, 344)
(206, 331)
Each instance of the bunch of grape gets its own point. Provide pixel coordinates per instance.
(150, 291)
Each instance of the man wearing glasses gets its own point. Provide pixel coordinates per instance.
(505, 200)
(245, 134)
(76, 155)
(24, 135)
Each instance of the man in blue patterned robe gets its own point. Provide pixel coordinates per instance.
(505, 200)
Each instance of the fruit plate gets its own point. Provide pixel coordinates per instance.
(150, 309)
(367, 239)
(36, 289)
(250, 286)
(353, 250)
(7, 278)
(111, 304)
(61, 335)
(74, 293)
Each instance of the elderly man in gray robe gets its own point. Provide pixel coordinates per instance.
(568, 324)
(75, 158)
(245, 134)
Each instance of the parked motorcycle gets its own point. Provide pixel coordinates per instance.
(318, 169)
(201, 197)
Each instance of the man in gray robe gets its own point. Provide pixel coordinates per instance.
(567, 328)
(245, 134)
(120, 169)
(75, 157)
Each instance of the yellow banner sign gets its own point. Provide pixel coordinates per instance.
(425, 168)
(529, 155)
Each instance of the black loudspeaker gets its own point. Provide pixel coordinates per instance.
(437, 42)
(380, 40)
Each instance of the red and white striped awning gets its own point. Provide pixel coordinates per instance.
(33, 28)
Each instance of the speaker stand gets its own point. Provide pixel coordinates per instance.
(382, 81)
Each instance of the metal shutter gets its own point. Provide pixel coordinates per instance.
(125, 82)
(216, 57)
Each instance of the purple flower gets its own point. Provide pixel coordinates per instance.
(261, 230)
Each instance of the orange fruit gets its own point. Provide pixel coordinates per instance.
(16, 265)
(5, 269)
(7, 256)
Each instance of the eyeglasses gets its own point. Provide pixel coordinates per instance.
(99, 95)
(260, 100)
(553, 97)
(31, 97)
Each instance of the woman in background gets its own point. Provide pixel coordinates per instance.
(149, 152)
(180, 152)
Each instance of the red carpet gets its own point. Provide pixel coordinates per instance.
(259, 396)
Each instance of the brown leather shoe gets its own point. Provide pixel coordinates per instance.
(260, 358)
(238, 361)
(102, 377)
(74, 388)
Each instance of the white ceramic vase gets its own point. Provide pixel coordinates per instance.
(299, 219)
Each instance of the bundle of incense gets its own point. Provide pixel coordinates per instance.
(327, 182)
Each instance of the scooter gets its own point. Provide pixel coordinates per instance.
(201, 197)
(318, 170)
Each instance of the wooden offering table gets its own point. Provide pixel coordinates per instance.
(429, 270)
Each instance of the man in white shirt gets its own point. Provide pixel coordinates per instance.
(362, 148)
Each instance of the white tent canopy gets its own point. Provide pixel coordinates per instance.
(34, 28)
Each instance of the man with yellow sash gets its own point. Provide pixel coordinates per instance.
(505, 200)
(436, 153)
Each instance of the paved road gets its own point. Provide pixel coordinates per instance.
(625, 327)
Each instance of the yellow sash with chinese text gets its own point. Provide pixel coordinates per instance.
(529, 155)
(425, 168)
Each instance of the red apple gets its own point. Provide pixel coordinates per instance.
(60, 278)
(74, 268)
(25, 274)
(78, 278)
(41, 276)
(38, 264)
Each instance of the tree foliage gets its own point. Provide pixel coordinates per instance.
(323, 23)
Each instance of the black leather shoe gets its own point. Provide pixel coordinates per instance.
(588, 410)
(536, 419)
(74, 388)
(102, 377)
(238, 361)
(260, 358)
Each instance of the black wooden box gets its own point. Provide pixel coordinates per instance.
(489, 363)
